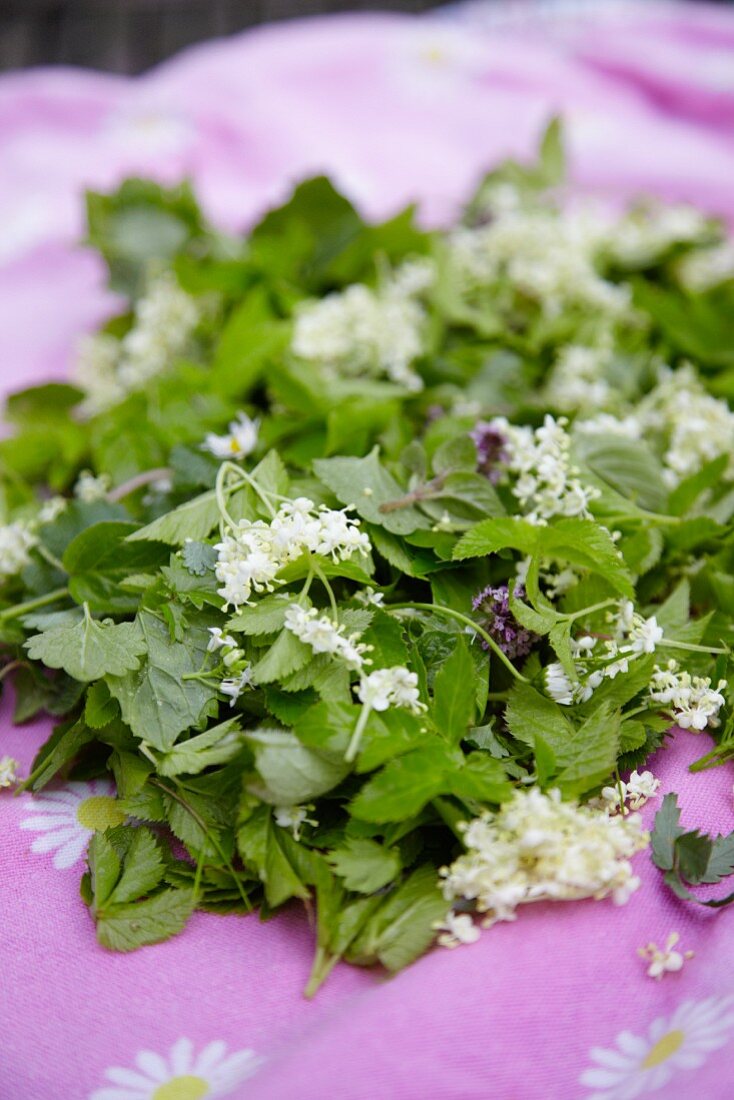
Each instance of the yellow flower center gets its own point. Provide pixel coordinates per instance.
(99, 812)
(664, 1048)
(182, 1088)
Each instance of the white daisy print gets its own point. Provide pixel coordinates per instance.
(67, 818)
(642, 1065)
(180, 1076)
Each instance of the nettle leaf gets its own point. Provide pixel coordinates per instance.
(89, 650)
(127, 927)
(666, 832)
(288, 654)
(366, 484)
(292, 773)
(156, 701)
(264, 847)
(403, 926)
(364, 865)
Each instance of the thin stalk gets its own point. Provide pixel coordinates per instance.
(353, 746)
(461, 618)
(49, 557)
(330, 591)
(174, 794)
(323, 964)
(138, 482)
(666, 643)
(32, 605)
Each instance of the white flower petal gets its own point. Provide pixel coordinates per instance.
(71, 853)
(153, 1065)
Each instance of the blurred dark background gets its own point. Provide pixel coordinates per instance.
(127, 36)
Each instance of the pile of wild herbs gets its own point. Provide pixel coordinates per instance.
(348, 535)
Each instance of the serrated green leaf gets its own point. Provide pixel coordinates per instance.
(89, 650)
(364, 865)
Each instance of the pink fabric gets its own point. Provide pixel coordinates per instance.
(396, 108)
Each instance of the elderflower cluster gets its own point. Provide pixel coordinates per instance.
(234, 661)
(538, 848)
(323, 635)
(455, 929)
(707, 267)
(691, 700)
(664, 960)
(250, 557)
(8, 772)
(545, 255)
(635, 791)
(545, 482)
(16, 541)
(597, 659)
(238, 442)
(642, 235)
(391, 687)
(360, 331)
(579, 380)
(108, 369)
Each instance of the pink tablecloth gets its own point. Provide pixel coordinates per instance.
(396, 108)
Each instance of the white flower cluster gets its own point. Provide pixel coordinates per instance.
(691, 700)
(642, 235)
(546, 255)
(89, 488)
(16, 541)
(664, 960)
(108, 369)
(597, 659)
(455, 929)
(538, 848)
(8, 771)
(250, 557)
(360, 331)
(707, 267)
(391, 687)
(323, 635)
(689, 426)
(546, 484)
(238, 442)
(637, 790)
(578, 380)
(234, 661)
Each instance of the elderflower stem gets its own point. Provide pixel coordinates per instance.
(246, 479)
(138, 482)
(353, 746)
(667, 644)
(31, 605)
(461, 618)
(330, 591)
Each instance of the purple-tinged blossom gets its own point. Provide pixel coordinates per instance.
(492, 608)
(491, 446)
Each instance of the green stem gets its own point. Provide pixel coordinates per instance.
(323, 964)
(219, 489)
(177, 797)
(461, 618)
(667, 644)
(353, 746)
(246, 479)
(31, 605)
(330, 591)
(49, 557)
(138, 482)
(573, 615)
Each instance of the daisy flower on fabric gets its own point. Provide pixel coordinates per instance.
(67, 818)
(180, 1076)
(640, 1065)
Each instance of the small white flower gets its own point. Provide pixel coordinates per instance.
(241, 440)
(235, 686)
(386, 687)
(181, 1075)
(369, 596)
(89, 488)
(219, 640)
(557, 683)
(8, 771)
(640, 788)
(294, 818)
(691, 700)
(68, 817)
(323, 635)
(664, 960)
(456, 929)
(16, 541)
(51, 509)
(639, 1065)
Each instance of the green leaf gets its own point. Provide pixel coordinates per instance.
(194, 520)
(590, 754)
(666, 831)
(62, 747)
(89, 650)
(126, 927)
(142, 870)
(156, 701)
(367, 485)
(404, 786)
(104, 868)
(454, 693)
(199, 557)
(403, 926)
(217, 745)
(364, 865)
(288, 654)
(100, 708)
(292, 773)
(629, 466)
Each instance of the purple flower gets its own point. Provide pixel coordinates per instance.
(492, 608)
(491, 447)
